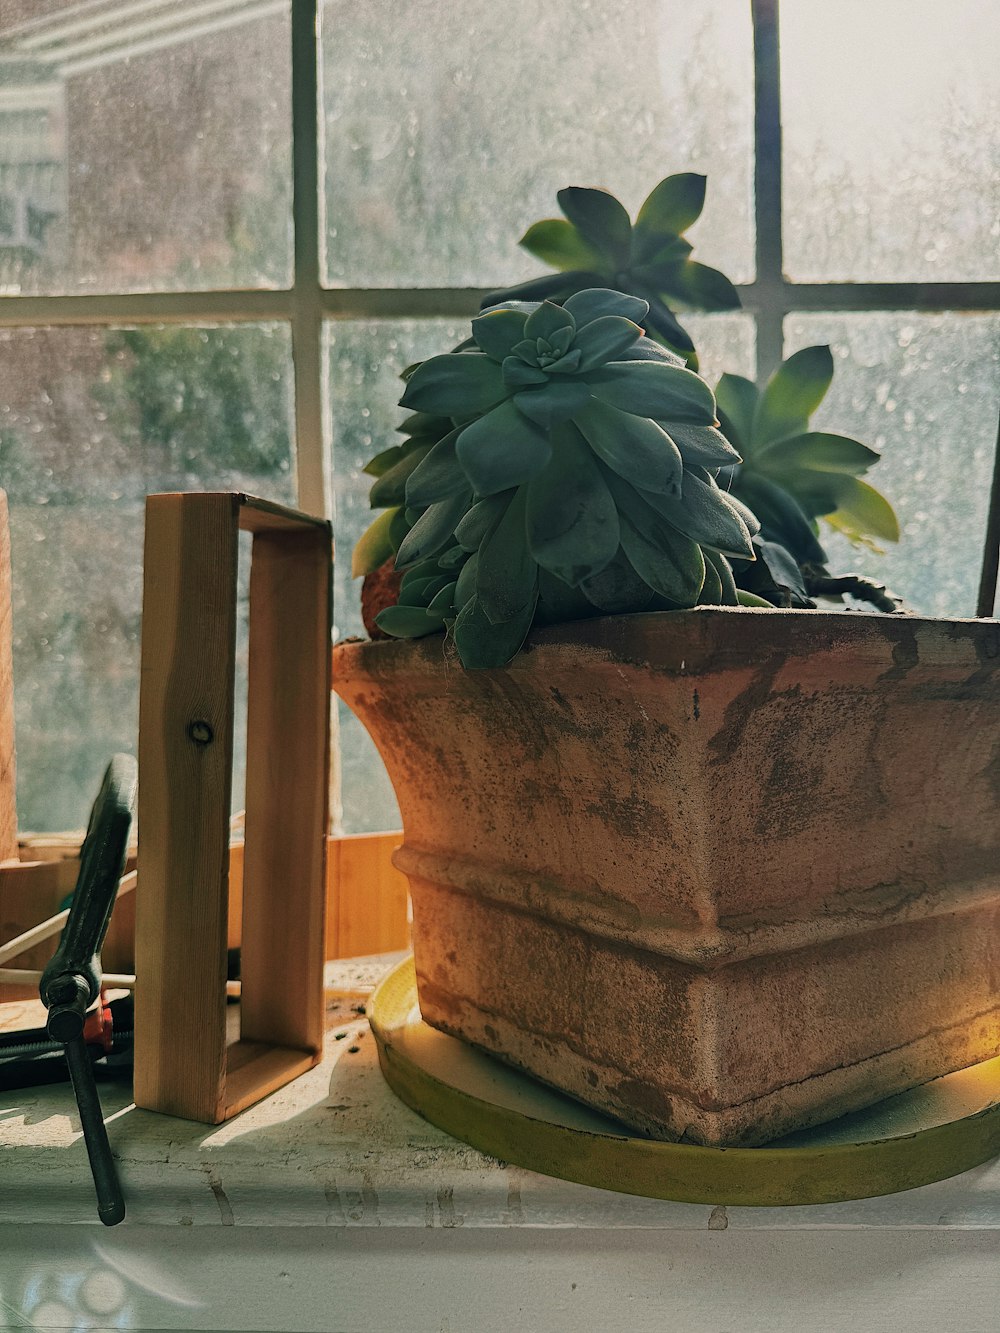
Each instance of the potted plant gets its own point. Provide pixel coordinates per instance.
(715, 867)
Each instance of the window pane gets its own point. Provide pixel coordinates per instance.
(365, 359)
(724, 343)
(450, 127)
(923, 389)
(144, 147)
(90, 421)
(891, 166)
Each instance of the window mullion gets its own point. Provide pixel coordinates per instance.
(314, 493)
(769, 286)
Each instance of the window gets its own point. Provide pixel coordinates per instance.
(219, 245)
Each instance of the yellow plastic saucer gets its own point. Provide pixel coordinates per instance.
(926, 1134)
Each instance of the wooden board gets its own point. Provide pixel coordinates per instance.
(368, 898)
(186, 720)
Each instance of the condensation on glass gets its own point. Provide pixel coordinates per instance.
(91, 420)
(925, 391)
(449, 127)
(144, 147)
(891, 157)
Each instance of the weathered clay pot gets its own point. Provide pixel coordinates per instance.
(722, 873)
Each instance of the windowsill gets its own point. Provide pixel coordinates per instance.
(316, 1167)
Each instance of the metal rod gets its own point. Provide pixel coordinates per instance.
(767, 187)
(110, 1202)
(986, 604)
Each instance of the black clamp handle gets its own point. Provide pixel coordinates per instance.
(72, 980)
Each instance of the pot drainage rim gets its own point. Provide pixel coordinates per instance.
(899, 1145)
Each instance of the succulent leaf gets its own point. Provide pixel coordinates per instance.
(736, 399)
(605, 339)
(436, 475)
(711, 589)
(792, 394)
(724, 570)
(375, 545)
(502, 449)
(601, 221)
(554, 285)
(462, 385)
(497, 331)
(669, 209)
(659, 262)
(702, 514)
(518, 374)
(698, 285)
(390, 488)
(465, 584)
(670, 563)
(388, 458)
(701, 446)
(553, 402)
(597, 302)
(443, 601)
(423, 424)
(819, 450)
(557, 242)
(407, 622)
(433, 530)
(662, 320)
(654, 389)
(637, 448)
(572, 521)
(547, 320)
(452, 558)
(426, 569)
(481, 644)
(507, 575)
(480, 519)
(618, 588)
(557, 601)
(421, 591)
(862, 508)
(781, 516)
(777, 574)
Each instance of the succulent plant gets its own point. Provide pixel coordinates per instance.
(559, 465)
(597, 245)
(792, 476)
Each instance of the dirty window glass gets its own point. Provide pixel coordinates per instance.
(925, 390)
(450, 127)
(91, 420)
(136, 151)
(891, 156)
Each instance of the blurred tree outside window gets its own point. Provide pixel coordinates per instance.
(148, 271)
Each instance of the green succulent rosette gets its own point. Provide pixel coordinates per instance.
(792, 476)
(559, 465)
(596, 244)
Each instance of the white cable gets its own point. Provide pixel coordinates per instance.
(37, 934)
(26, 976)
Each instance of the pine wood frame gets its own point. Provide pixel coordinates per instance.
(183, 1064)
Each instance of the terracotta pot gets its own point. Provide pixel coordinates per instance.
(722, 873)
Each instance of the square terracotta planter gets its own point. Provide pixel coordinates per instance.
(721, 873)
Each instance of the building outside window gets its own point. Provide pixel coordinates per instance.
(217, 252)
